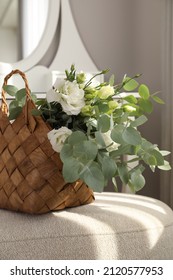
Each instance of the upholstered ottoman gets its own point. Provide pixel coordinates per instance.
(115, 226)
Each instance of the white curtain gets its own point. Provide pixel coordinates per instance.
(33, 21)
(166, 188)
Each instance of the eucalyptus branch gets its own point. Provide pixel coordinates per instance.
(133, 160)
(120, 86)
(98, 74)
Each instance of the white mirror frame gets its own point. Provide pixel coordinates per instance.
(41, 77)
(37, 75)
(47, 37)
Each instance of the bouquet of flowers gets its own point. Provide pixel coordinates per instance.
(95, 128)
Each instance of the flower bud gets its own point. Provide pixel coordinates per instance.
(90, 93)
(112, 104)
(87, 110)
(81, 78)
(129, 109)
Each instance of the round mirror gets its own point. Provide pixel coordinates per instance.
(19, 34)
(27, 28)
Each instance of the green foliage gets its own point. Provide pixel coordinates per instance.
(103, 123)
(15, 106)
(139, 121)
(15, 112)
(131, 136)
(117, 134)
(144, 92)
(157, 99)
(112, 80)
(11, 90)
(137, 180)
(104, 138)
(145, 105)
(130, 84)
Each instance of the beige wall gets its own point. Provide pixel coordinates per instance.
(125, 35)
(8, 47)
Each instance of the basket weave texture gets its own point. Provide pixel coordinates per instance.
(31, 178)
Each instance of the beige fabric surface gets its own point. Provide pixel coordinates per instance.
(115, 226)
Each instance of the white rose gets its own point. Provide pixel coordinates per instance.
(57, 137)
(112, 146)
(69, 95)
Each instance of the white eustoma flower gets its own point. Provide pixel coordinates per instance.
(57, 137)
(111, 145)
(69, 95)
(105, 92)
(52, 95)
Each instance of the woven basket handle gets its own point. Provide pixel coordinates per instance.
(4, 106)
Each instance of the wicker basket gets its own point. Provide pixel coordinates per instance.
(31, 178)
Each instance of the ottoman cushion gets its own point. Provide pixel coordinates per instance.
(115, 226)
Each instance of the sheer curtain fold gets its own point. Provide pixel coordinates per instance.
(166, 186)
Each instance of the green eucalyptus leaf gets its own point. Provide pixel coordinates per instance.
(11, 90)
(157, 99)
(66, 152)
(165, 153)
(153, 168)
(103, 123)
(144, 91)
(71, 170)
(130, 99)
(123, 172)
(146, 105)
(13, 104)
(114, 182)
(93, 177)
(14, 113)
(146, 158)
(36, 112)
(121, 150)
(131, 187)
(139, 121)
(103, 108)
(109, 167)
(124, 117)
(137, 180)
(151, 160)
(76, 137)
(86, 150)
(132, 136)
(21, 95)
(130, 84)
(138, 168)
(112, 80)
(165, 167)
(116, 134)
(158, 156)
(146, 145)
(40, 102)
(34, 97)
(99, 139)
(49, 120)
(118, 113)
